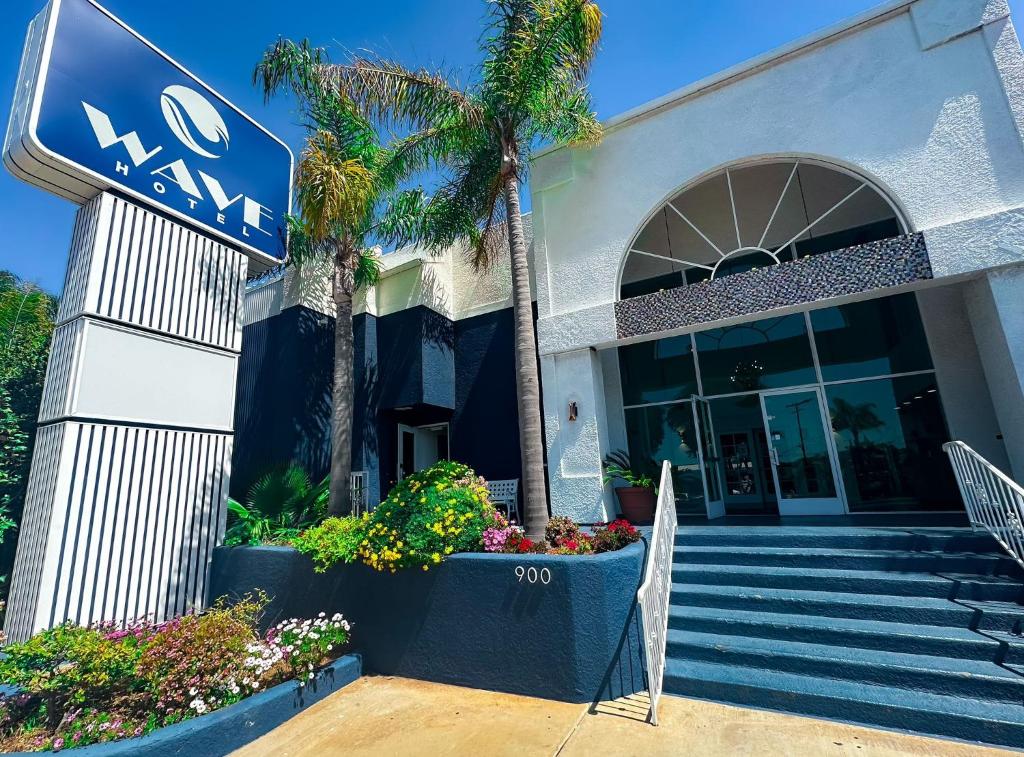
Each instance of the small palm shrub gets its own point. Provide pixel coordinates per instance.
(278, 506)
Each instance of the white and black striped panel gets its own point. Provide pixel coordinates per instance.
(129, 530)
(60, 370)
(23, 615)
(157, 274)
(92, 224)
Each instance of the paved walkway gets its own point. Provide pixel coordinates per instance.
(397, 716)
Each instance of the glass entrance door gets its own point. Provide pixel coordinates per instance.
(709, 459)
(802, 452)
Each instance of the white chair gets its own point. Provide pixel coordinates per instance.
(357, 484)
(505, 494)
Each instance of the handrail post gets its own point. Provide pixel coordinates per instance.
(655, 591)
(991, 498)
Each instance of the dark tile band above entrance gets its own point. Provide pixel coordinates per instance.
(876, 265)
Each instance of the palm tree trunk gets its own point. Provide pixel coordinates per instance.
(531, 434)
(340, 502)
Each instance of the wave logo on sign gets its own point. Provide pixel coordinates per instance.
(194, 120)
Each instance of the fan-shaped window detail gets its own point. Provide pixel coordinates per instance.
(750, 216)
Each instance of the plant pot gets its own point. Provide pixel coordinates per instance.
(637, 503)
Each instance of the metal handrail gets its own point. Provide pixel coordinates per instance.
(993, 500)
(654, 593)
(357, 484)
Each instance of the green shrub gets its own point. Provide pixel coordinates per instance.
(426, 517)
(335, 540)
(278, 506)
(70, 665)
(79, 686)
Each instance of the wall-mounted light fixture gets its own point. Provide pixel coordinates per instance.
(573, 410)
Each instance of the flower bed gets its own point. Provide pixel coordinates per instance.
(550, 625)
(438, 512)
(78, 686)
(232, 727)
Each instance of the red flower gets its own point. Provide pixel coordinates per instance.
(525, 545)
(570, 544)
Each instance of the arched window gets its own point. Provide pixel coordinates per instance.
(753, 215)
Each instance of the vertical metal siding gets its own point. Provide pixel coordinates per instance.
(137, 514)
(155, 274)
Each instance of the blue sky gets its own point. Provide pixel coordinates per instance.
(649, 48)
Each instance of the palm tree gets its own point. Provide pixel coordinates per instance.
(347, 195)
(847, 416)
(532, 89)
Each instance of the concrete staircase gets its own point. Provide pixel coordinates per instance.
(912, 629)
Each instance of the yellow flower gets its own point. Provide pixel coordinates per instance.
(399, 545)
(448, 550)
(425, 568)
(436, 557)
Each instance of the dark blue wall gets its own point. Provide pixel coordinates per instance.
(283, 403)
(470, 621)
(485, 424)
(413, 367)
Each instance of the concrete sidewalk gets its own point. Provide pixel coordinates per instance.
(397, 716)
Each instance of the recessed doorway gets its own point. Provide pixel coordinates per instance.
(419, 447)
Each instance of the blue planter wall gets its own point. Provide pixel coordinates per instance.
(470, 621)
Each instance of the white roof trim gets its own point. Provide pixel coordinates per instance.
(749, 67)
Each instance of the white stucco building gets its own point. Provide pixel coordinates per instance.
(901, 128)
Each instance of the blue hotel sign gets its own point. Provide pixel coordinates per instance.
(98, 107)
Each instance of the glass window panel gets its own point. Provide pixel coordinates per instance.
(666, 432)
(766, 354)
(804, 461)
(653, 284)
(889, 433)
(657, 371)
(871, 338)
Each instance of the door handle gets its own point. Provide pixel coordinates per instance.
(774, 455)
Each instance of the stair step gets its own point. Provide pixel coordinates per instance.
(946, 585)
(894, 609)
(941, 641)
(912, 539)
(938, 675)
(849, 559)
(893, 707)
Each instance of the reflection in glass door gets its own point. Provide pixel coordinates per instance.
(709, 458)
(802, 452)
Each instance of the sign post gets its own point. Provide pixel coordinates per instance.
(181, 193)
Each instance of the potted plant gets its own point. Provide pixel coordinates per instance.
(638, 498)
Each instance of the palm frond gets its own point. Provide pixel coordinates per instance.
(366, 271)
(332, 187)
(389, 92)
(547, 49)
(290, 65)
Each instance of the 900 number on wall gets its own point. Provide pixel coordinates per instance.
(532, 575)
